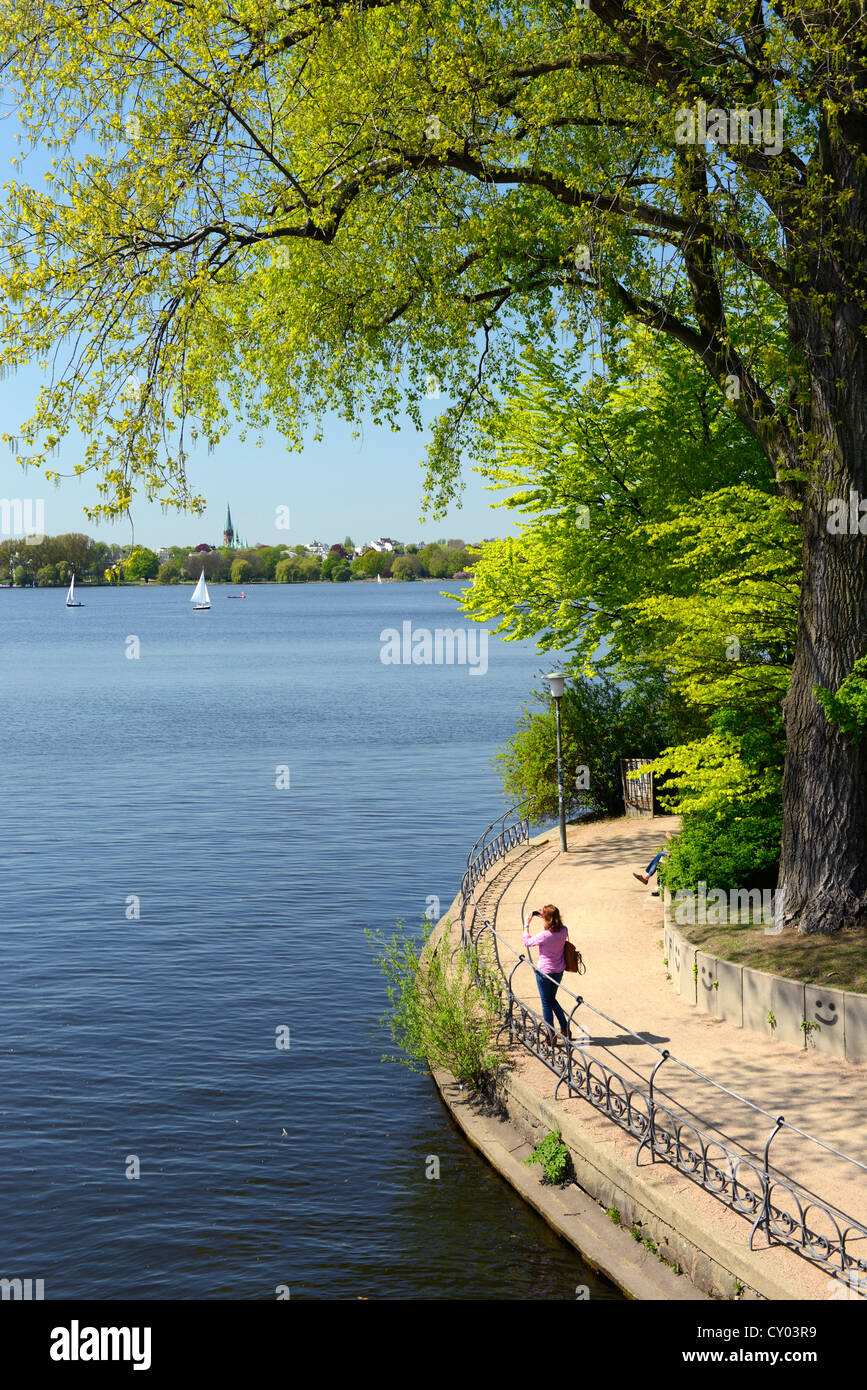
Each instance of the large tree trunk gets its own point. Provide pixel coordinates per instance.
(824, 852)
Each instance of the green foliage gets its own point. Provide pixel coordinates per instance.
(436, 562)
(65, 554)
(141, 563)
(169, 572)
(726, 848)
(269, 559)
(288, 571)
(406, 568)
(602, 722)
(613, 1214)
(371, 563)
(241, 572)
(310, 569)
(554, 1157)
(336, 567)
(848, 708)
(215, 563)
(445, 1006)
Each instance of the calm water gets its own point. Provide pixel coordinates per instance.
(147, 785)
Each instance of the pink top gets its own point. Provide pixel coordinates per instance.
(550, 945)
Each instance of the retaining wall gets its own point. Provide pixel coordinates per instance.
(768, 1004)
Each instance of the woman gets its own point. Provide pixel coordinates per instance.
(550, 941)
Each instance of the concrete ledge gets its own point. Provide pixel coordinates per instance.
(748, 997)
(569, 1210)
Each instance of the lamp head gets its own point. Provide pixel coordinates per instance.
(557, 682)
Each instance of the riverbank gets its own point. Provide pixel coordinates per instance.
(617, 925)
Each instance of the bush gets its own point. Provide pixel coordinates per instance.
(728, 849)
(441, 1015)
(554, 1157)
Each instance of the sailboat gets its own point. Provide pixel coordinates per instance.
(379, 579)
(71, 601)
(200, 596)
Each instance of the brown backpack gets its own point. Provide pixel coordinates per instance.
(572, 959)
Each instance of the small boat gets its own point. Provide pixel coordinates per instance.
(71, 601)
(236, 595)
(200, 596)
(379, 579)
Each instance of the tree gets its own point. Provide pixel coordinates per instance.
(169, 572)
(269, 558)
(287, 571)
(435, 561)
(400, 181)
(141, 563)
(310, 569)
(241, 572)
(215, 565)
(406, 567)
(653, 541)
(370, 564)
(348, 545)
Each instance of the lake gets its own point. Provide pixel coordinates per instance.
(203, 813)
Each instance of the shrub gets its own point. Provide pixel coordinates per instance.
(445, 1006)
(729, 849)
(554, 1157)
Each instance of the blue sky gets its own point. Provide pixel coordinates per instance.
(364, 488)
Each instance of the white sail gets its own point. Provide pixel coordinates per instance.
(200, 593)
(70, 597)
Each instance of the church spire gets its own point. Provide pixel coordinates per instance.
(229, 532)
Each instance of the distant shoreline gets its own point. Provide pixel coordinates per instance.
(227, 583)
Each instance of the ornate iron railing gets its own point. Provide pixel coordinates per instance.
(783, 1209)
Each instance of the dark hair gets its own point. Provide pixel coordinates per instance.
(553, 920)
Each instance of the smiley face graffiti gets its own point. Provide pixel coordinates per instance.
(824, 1007)
(707, 978)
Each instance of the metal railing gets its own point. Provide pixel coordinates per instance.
(785, 1210)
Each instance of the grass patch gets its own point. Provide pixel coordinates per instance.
(839, 961)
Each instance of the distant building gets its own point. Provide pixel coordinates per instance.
(231, 539)
(383, 543)
(203, 549)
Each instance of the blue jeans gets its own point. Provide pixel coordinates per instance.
(654, 863)
(547, 993)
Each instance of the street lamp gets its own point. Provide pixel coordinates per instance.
(557, 682)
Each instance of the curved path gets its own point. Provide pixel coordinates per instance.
(617, 924)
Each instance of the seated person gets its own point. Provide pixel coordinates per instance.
(654, 863)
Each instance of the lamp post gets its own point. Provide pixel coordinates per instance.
(557, 682)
